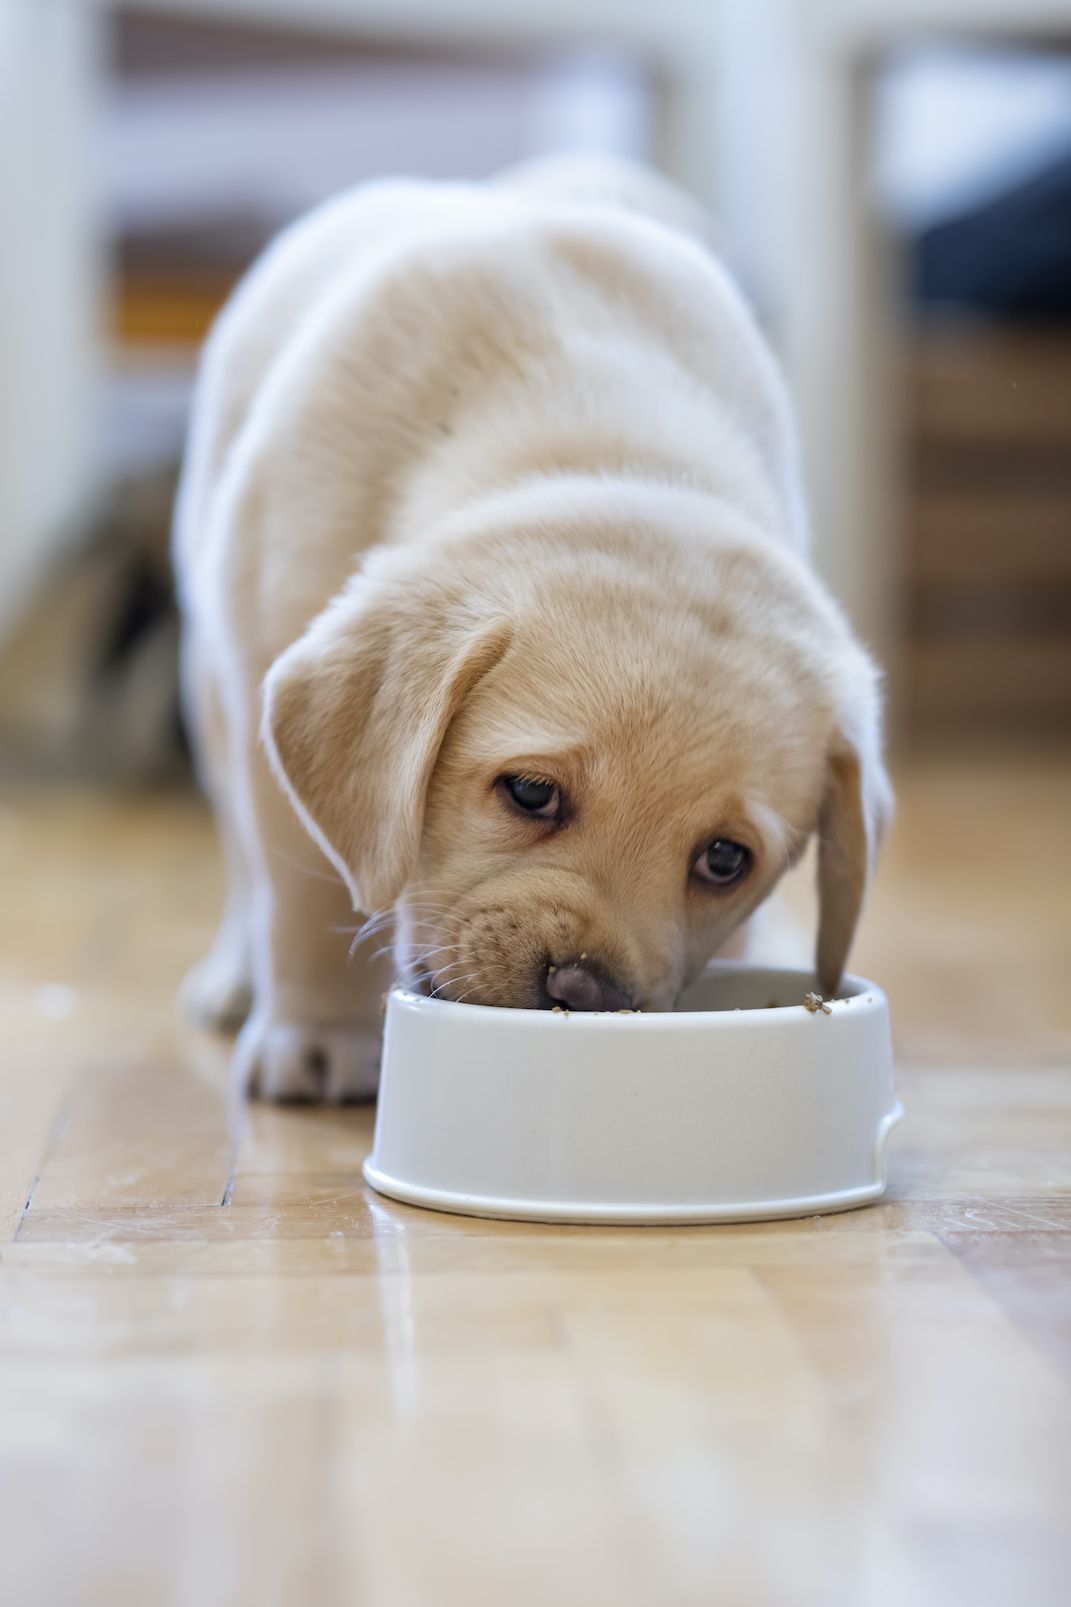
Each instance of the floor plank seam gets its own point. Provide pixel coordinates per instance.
(55, 1132)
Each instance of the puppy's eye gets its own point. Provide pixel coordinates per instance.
(723, 863)
(540, 798)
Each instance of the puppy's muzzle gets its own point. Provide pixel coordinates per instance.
(583, 986)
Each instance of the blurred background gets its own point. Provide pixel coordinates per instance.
(891, 183)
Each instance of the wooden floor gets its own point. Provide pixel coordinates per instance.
(229, 1374)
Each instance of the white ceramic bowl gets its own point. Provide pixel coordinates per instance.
(741, 1104)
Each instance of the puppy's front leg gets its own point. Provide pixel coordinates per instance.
(315, 1029)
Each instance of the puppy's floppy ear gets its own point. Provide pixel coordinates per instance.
(355, 713)
(855, 809)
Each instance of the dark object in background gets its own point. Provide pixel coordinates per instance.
(1010, 258)
(988, 413)
(89, 680)
(145, 622)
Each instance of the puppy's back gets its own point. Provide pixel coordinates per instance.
(608, 181)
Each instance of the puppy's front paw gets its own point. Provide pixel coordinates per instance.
(218, 991)
(289, 1061)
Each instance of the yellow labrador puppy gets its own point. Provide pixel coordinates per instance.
(498, 618)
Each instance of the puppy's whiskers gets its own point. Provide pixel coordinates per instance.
(437, 992)
(379, 921)
(463, 996)
(417, 950)
(374, 924)
(452, 982)
(436, 978)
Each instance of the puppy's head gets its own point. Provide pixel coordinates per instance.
(574, 780)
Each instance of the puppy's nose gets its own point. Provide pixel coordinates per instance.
(583, 987)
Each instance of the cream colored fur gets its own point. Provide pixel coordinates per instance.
(488, 479)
